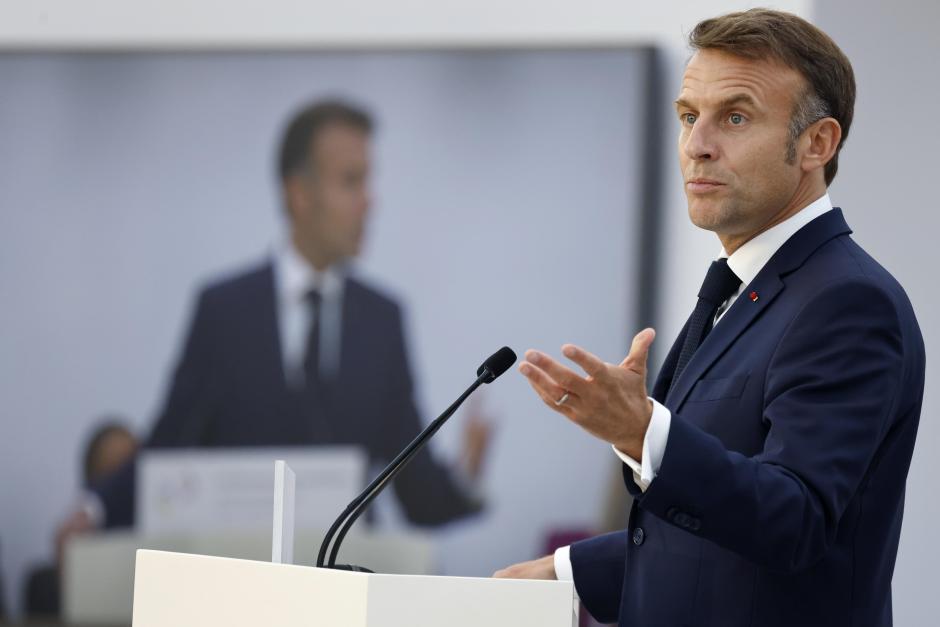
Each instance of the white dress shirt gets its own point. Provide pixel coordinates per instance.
(746, 262)
(294, 278)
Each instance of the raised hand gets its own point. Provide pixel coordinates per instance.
(610, 401)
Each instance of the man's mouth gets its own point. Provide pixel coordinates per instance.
(700, 185)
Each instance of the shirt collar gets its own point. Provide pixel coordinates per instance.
(750, 258)
(296, 277)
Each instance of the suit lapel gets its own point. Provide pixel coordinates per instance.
(755, 299)
(269, 326)
(738, 318)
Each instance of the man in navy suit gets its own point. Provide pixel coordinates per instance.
(296, 351)
(768, 467)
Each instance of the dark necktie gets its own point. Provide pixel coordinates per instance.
(312, 355)
(719, 285)
(314, 396)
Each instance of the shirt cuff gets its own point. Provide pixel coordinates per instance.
(563, 569)
(654, 447)
(565, 572)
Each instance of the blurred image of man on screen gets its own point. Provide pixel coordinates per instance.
(296, 351)
(768, 465)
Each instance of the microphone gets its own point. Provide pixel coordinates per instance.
(495, 365)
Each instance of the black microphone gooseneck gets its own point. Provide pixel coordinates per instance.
(494, 366)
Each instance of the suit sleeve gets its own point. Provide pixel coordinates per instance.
(832, 386)
(427, 491)
(185, 418)
(191, 400)
(597, 565)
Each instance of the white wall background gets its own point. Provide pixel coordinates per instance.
(212, 23)
(128, 179)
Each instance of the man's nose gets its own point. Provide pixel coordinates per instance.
(700, 144)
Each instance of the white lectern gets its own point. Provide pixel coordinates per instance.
(184, 590)
(181, 590)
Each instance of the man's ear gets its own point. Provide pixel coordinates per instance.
(820, 142)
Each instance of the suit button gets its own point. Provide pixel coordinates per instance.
(638, 536)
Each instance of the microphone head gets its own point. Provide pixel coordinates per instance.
(496, 364)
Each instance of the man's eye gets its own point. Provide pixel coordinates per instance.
(736, 118)
(688, 118)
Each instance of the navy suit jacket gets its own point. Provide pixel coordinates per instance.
(230, 390)
(781, 490)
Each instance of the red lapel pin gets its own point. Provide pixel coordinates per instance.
(754, 296)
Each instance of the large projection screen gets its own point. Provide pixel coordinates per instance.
(512, 206)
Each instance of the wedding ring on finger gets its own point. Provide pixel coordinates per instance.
(561, 401)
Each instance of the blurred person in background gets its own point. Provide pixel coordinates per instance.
(110, 447)
(296, 351)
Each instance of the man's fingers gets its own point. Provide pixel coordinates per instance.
(543, 568)
(639, 351)
(547, 389)
(566, 378)
(591, 364)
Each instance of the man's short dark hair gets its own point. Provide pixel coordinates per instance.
(302, 131)
(791, 40)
